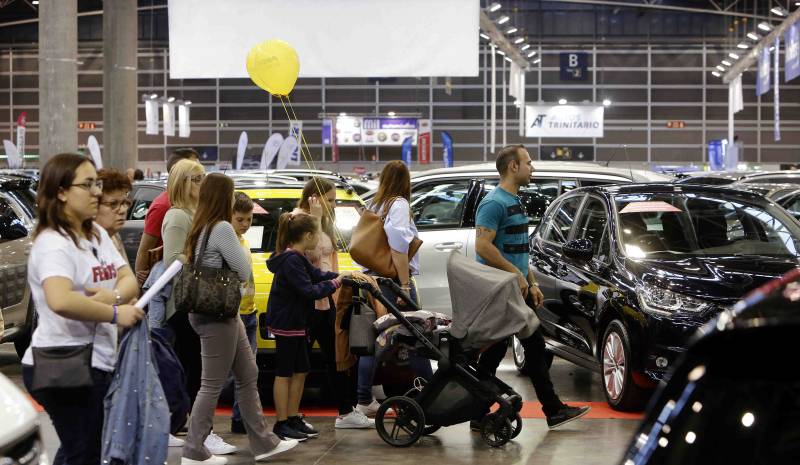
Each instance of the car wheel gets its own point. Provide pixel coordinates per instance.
(22, 342)
(621, 391)
(518, 352)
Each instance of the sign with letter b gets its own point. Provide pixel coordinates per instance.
(574, 66)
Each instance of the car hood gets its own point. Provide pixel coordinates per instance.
(711, 278)
(17, 412)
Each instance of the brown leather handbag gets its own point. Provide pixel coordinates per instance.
(369, 245)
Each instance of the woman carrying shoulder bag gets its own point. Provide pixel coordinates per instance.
(392, 200)
(79, 282)
(224, 347)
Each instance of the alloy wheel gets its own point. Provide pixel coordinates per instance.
(614, 365)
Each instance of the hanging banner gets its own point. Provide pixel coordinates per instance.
(94, 150)
(288, 147)
(563, 121)
(270, 150)
(334, 142)
(405, 151)
(327, 130)
(777, 103)
(296, 131)
(792, 52)
(241, 149)
(13, 158)
(21, 129)
(169, 118)
(151, 117)
(762, 77)
(387, 131)
(424, 142)
(735, 94)
(574, 66)
(184, 126)
(447, 150)
(716, 154)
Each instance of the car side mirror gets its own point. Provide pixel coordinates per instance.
(580, 250)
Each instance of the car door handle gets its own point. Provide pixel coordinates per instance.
(573, 299)
(446, 246)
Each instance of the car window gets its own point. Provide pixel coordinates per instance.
(537, 196)
(593, 225)
(439, 205)
(26, 198)
(562, 219)
(142, 199)
(597, 182)
(792, 204)
(569, 184)
(11, 226)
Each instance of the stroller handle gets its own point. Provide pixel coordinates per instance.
(367, 286)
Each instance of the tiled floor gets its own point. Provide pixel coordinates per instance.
(585, 442)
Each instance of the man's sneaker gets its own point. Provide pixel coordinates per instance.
(300, 425)
(284, 430)
(237, 427)
(354, 420)
(213, 460)
(175, 442)
(565, 415)
(282, 446)
(217, 446)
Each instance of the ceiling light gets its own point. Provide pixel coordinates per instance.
(508, 60)
(720, 67)
(733, 55)
(153, 96)
(716, 74)
(35, 2)
(753, 36)
(748, 419)
(726, 62)
(171, 99)
(532, 53)
(391, 113)
(525, 47)
(562, 101)
(690, 437)
(778, 11)
(764, 26)
(494, 7)
(484, 36)
(743, 46)
(519, 40)
(500, 52)
(187, 102)
(503, 19)
(606, 102)
(537, 61)
(511, 30)
(342, 114)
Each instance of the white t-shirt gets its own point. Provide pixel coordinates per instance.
(95, 264)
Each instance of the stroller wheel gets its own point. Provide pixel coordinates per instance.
(429, 429)
(496, 430)
(405, 426)
(516, 425)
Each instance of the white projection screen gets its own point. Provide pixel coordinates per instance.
(333, 38)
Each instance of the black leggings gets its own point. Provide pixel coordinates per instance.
(187, 348)
(322, 330)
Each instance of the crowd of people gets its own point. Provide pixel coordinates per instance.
(83, 288)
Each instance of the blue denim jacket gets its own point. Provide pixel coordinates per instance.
(157, 308)
(136, 428)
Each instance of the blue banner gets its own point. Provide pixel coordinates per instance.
(574, 66)
(716, 153)
(447, 151)
(792, 52)
(327, 131)
(406, 150)
(762, 74)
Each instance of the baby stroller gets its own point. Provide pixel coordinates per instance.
(460, 390)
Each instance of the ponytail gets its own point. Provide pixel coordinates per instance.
(292, 227)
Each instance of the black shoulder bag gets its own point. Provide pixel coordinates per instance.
(63, 367)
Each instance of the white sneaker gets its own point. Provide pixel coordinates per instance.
(217, 446)
(354, 420)
(371, 409)
(213, 460)
(282, 446)
(175, 441)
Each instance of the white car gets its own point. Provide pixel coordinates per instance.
(444, 202)
(20, 439)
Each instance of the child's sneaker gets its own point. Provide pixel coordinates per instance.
(298, 424)
(284, 430)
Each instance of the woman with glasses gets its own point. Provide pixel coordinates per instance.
(114, 204)
(79, 282)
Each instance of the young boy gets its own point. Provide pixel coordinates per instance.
(242, 220)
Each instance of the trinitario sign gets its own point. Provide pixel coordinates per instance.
(563, 121)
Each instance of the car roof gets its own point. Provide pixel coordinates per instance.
(295, 192)
(652, 188)
(552, 166)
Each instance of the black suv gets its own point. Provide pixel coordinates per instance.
(630, 272)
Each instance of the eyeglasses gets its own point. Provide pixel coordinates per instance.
(114, 205)
(88, 185)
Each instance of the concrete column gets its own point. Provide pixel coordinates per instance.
(58, 78)
(120, 36)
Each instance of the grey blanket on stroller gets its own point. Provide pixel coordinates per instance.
(487, 304)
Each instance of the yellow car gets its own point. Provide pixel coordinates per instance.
(269, 205)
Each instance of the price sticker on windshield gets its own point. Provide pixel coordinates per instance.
(649, 207)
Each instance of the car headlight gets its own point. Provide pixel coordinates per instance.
(662, 301)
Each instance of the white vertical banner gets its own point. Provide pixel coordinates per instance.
(21, 129)
(241, 149)
(94, 151)
(151, 117)
(184, 124)
(296, 131)
(777, 103)
(735, 94)
(13, 158)
(169, 118)
(270, 150)
(288, 147)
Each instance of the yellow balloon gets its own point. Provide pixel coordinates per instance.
(273, 66)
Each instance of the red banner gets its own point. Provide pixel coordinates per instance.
(424, 142)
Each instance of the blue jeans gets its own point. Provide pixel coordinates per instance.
(250, 327)
(368, 365)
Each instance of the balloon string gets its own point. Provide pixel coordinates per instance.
(306, 154)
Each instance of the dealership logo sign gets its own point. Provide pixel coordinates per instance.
(564, 121)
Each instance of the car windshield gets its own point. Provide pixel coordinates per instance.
(663, 225)
(263, 234)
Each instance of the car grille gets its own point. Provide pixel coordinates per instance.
(13, 280)
(28, 451)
